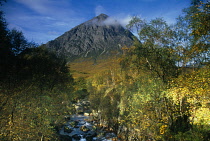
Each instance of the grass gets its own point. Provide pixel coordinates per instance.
(88, 67)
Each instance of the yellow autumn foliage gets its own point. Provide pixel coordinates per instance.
(192, 92)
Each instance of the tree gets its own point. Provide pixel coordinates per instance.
(18, 41)
(195, 19)
(6, 55)
(135, 24)
(34, 88)
(190, 95)
(39, 84)
(44, 67)
(148, 98)
(154, 52)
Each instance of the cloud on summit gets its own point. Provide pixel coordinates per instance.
(113, 20)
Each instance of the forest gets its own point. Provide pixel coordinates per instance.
(160, 91)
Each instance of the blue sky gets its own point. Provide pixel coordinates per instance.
(44, 20)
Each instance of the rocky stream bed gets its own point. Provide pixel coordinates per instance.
(82, 127)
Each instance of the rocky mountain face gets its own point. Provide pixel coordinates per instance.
(98, 36)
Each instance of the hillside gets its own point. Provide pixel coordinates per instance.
(88, 68)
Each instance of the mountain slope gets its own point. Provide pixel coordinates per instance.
(96, 37)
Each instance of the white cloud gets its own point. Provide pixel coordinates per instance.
(46, 15)
(60, 24)
(125, 20)
(110, 21)
(40, 6)
(122, 19)
(51, 8)
(99, 9)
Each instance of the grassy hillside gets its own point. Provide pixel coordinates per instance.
(88, 67)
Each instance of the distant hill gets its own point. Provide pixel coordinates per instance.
(100, 36)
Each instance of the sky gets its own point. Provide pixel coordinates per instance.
(44, 20)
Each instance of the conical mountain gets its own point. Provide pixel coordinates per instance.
(98, 36)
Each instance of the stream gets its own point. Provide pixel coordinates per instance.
(81, 127)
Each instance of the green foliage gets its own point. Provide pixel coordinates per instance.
(35, 96)
(35, 88)
(44, 67)
(144, 107)
(18, 41)
(198, 16)
(135, 23)
(104, 97)
(148, 98)
(155, 53)
(143, 113)
(32, 117)
(192, 31)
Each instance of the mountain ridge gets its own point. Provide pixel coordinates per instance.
(98, 36)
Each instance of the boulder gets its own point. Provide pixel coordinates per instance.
(67, 129)
(84, 128)
(74, 124)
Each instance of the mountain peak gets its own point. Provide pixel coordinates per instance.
(98, 19)
(101, 35)
(102, 16)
